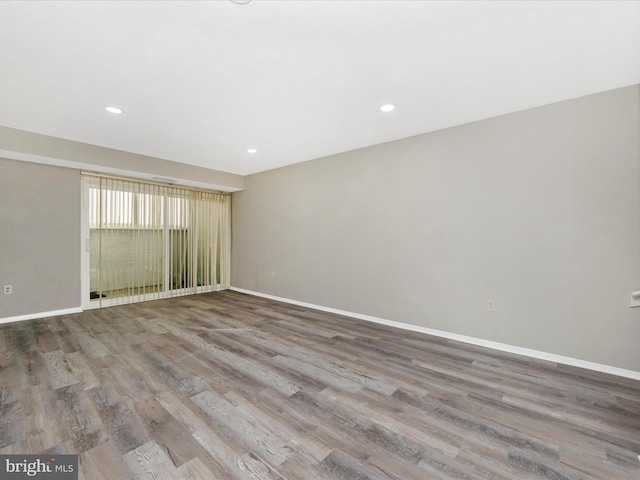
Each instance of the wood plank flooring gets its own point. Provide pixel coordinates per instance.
(228, 386)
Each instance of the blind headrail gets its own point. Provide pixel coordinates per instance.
(167, 183)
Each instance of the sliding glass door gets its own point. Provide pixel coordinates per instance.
(145, 241)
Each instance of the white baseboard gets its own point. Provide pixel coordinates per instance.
(34, 316)
(551, 357)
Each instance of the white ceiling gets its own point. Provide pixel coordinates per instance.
(200, 82)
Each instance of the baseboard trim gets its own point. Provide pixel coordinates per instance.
(35, 316)
(527, 352)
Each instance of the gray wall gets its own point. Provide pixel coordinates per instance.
(537, 210)
(39, 238)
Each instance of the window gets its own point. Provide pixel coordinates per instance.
(146, 241)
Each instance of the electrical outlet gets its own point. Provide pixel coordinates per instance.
(8, 289)
(491, 306)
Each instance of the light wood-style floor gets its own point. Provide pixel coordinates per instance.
(229, 386)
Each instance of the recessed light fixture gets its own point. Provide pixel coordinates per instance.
(387, 108)
(113, 109)
(252, 150)
(240, 2)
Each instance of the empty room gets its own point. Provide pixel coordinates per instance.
(358, 239)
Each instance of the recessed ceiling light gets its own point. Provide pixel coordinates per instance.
(113, 109)
(252, 150)
(387, 108)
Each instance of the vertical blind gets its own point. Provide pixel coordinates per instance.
(152, 241)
